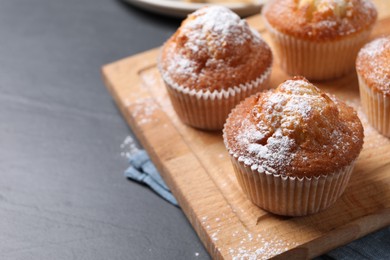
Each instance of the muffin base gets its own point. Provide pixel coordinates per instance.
(317, 60)
(376, 105)
(291, 196)
(209, 110)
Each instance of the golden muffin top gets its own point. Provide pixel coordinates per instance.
(373, 64)
(319, 20)
(213, 50)
(294, 130)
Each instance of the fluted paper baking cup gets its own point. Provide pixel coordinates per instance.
(376, 105)
(317, 60)
(291, 196)
(209, 110)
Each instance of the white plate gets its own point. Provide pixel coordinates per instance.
(178, 8)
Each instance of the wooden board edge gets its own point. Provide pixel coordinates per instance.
(213, 247)
(107, 68)
(306, 250)
(340, 236)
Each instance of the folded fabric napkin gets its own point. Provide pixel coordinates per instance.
(143, 170)
(374, 246)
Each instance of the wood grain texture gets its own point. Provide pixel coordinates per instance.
(196, 167)
(63, 195)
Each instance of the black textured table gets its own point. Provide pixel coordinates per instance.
(62, 190)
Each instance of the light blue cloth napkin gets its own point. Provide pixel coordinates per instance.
(374, 246)
(143, 170)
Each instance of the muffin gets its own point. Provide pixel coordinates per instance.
(293, 148)
(373, 69)
(212, 62)
(319, 39)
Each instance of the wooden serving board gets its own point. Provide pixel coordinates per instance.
(197, 168)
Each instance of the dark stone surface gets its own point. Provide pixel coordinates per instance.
(62, 190)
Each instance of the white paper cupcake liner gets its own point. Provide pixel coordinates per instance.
(291, 196)
(317, 60)
(376, 106)
(209, 110)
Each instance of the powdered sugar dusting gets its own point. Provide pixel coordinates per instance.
(266, 247)
(215, 26)
(129, 147)
(321, 19)
(345, 11)
(143, 109)
(181, 65)
(247, 244)
(253, 246)
(374, 62)
(274, 154)
(208, 33)
(376, 47)
(337, 7)
(268, 145)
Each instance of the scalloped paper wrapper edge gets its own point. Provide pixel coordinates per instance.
(314, 60)
(376, 106)
(209, 110)
(291, 196)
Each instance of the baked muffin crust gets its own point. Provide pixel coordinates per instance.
(318, 20)
(373, 65)
(295, 130)
(213, 50)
